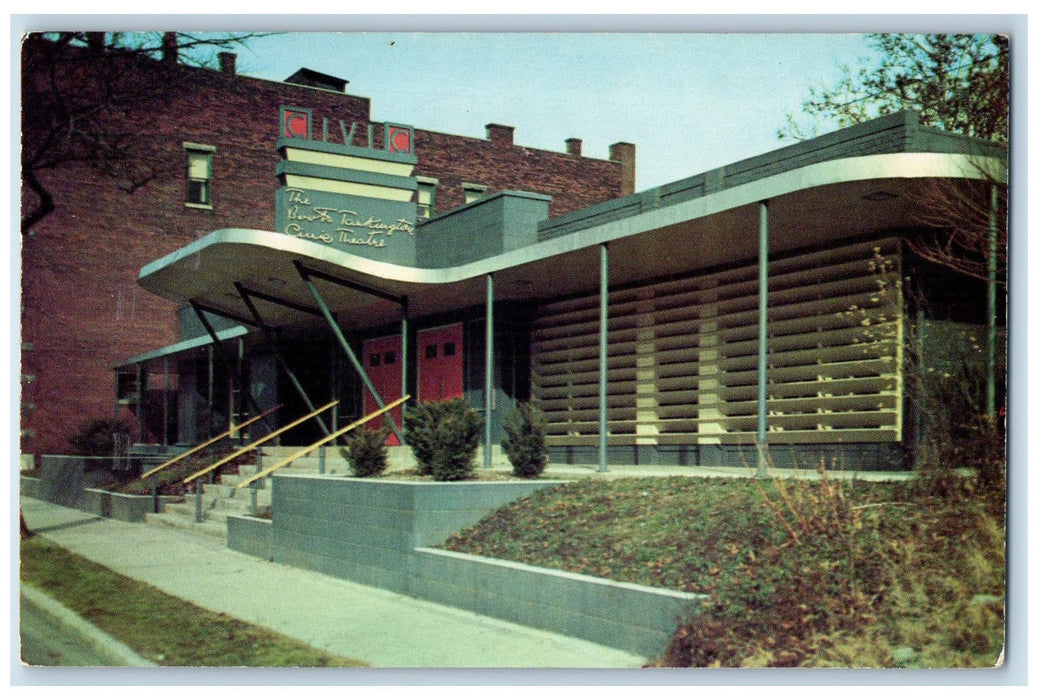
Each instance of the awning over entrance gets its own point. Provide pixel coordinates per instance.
(865, 194)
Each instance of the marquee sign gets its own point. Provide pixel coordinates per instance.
(298, 123)
(359, 198)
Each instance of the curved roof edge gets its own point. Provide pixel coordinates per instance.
(591, 230)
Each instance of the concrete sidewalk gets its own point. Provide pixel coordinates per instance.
(384, 629)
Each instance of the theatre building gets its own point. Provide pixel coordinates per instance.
(196, 151)
(304, 255)
(773, 303)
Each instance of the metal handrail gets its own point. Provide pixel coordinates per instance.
(253, 445)
(233, 429)
(322, 441)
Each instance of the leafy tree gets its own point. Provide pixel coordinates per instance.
(956, 82)
(83, 103)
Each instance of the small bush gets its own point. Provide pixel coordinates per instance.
(95, 437)
(444, 436)
(367, 451)
(524, 441)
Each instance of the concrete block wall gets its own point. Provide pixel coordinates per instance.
(366, 531)
(626, 616)
(383, 533)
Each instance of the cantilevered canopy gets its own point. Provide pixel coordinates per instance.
(809, 206)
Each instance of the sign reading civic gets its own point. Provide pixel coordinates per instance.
(297, 123)
(338, 193)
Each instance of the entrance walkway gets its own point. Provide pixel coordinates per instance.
(385, 629)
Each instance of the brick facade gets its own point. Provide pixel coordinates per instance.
(82, 309)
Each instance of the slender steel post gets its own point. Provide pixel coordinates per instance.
(603, 359)
(326, 312)
(165, 403)
(272, 339)
(762, 345)
(404, 330)
(140, 402)
(992, 299)
(488, 377)
(199, 312)
(209, 395)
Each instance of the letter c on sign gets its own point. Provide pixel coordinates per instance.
(295, 125)
(400, 140)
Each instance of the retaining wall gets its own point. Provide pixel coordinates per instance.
(382, 533)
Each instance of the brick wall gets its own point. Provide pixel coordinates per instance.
(82, 310)
(572, 181)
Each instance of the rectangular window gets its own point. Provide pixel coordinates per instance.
(199, 175)
(473, 191)
(426, 197)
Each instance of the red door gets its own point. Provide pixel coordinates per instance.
(382, 363)
(440, 374)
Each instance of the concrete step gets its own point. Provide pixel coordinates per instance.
(217, 529)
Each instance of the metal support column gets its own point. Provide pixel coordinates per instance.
(404, 358)
(992, 299)
(165, 403)
(199, 312)
(141, 379)
(274, 344)
(209, 395)
(603, 359)
(762, 345)
(488, 378)
(326, 312)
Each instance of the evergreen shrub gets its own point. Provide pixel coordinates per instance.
(366, 451)
(96, 437)
(524, 441)
(444, 436)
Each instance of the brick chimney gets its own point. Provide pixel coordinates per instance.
(500, 135)
(170, 48)
(573, 146)
(96, 41)
(623, 153)
(228, 62)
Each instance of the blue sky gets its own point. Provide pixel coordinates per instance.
(689, 102)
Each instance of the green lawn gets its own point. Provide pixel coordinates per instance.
(160, 627)
(798, 573)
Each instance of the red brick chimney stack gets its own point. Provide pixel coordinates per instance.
(623, 153)
(500, 135)
(228, 62)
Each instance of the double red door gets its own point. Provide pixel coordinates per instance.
(382, 362)
(440, 369)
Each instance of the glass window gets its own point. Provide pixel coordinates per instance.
(473, 191)
(426, 198)
(449, 349)
(199, 175)
(430, 352)
(375, 360)
(389, 358)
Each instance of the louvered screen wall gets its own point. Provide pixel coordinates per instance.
(683, 355)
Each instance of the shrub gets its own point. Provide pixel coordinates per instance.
(524, 441)
(444, 436)
(367, 451)
(95, 437)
